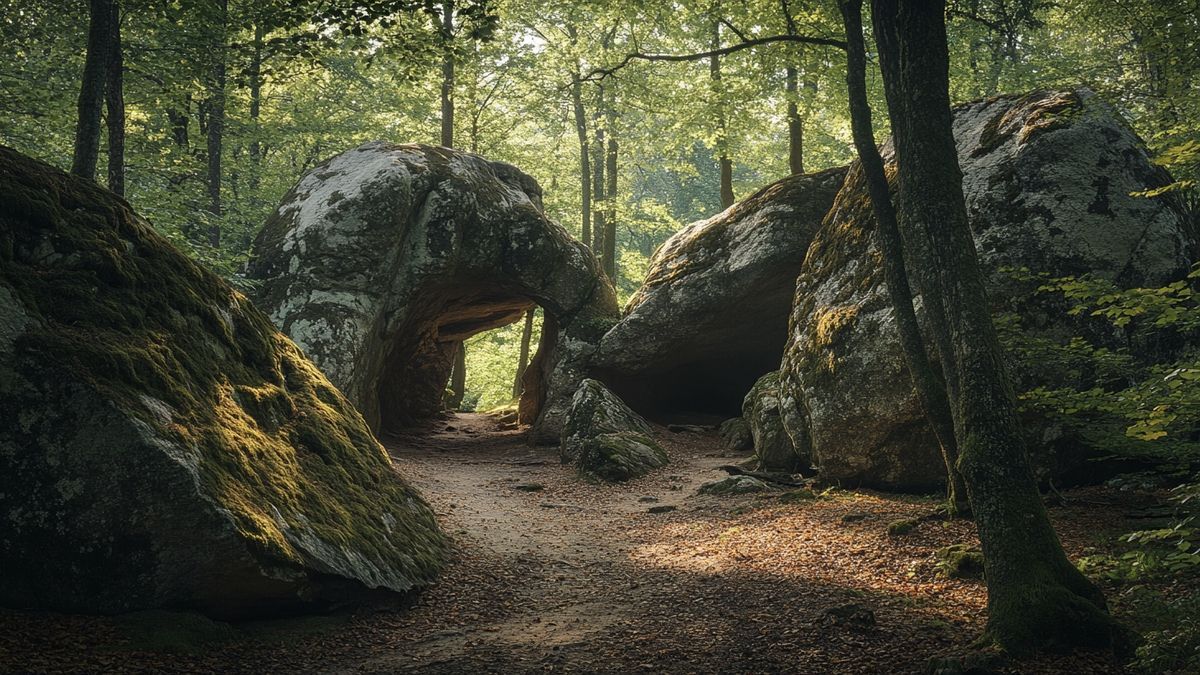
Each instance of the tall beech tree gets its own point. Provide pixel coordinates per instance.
(114, 102)
(1036, 597)
(931, 390)
(91, 90)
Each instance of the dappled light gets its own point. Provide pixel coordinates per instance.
(600, 336)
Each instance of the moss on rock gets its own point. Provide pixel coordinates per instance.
(607, 440)
(169, 446)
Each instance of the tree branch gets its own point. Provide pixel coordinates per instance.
(601, 73)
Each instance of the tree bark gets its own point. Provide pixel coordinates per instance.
(931, 390)
(585, 160)
(114, 99)
(523, 358)
(91, 90)
(255, 82)
(446, 29)
(458, 377)
(1036, 597)
(795, 124)
(599, 203)
(216, 126)
(609, 254)
(726, 164)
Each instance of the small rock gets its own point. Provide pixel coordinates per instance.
(733, 485)
(959, 561)
(662, 508)
(647, 500)
(898, 528)
(852, 615)
(529, 487)
(855, 517)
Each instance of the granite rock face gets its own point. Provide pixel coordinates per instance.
(384, 258)
(161, 443)
(1047, 178)
(604, 439)
(711, 316)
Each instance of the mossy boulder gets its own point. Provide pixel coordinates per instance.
(603, 438)
(161, 443)
(383, 259)
(1048, 179)
(712, 314)
(735, 433)
(763, 412)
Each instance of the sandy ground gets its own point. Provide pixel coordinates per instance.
(552, 573)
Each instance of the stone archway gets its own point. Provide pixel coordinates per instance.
(384, 258)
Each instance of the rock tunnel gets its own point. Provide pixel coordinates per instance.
(386, 257)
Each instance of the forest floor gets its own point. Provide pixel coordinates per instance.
(553, 573)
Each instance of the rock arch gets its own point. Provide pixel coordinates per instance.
(384, 258)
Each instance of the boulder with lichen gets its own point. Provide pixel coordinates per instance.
(386, 257)
(1049, 180)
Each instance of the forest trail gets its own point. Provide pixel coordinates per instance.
(554, 573)
(582, 577)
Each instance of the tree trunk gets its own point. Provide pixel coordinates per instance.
(458, 377)
(447, 32)
(523, 359)
(216, 127)
(585, 161)
(179, 123)
(609, 255)
(931, 390)
(726, 164)
(114, 99)
(795, 125)
(91, 90)
(1036, 597)
(598, 197)
(255, 78)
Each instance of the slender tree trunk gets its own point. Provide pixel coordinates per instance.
(599, 203)
(179, 123)
(255, 76)
(726, 164)
(216, 126)
(114, 99)
(795, 125)
(609, 255)
(458, 377)
(585, 161)
(1036, 597)
(447, 32)
(91, 90)
(523, 359)
(931, 390)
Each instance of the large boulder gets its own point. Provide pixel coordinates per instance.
(607, 440)
(763, 414)
(1047, 178)
(161, 443)
(384, 258)
(711, 317)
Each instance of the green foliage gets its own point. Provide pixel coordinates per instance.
(492, 364)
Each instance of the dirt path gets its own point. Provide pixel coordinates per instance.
(553, 573)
